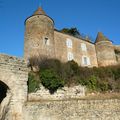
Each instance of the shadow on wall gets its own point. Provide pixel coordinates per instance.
(3, 91)
(5, 96)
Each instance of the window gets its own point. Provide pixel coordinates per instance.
(69, 43)
(70, 56)
(46, 41)
(83, 47)
(85, 60)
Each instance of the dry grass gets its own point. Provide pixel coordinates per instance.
(102, 96)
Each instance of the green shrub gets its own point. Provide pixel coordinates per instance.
(89, 82)
(116, 72)
(73, 66)
(33, 84)
(92, 82)
(55, 74)
(51, 80)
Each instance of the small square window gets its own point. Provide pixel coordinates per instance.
(46, 41)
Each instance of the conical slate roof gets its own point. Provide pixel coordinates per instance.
(101, 37)
(39, 11)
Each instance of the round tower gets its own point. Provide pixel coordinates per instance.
(104, 51)
(39, 36)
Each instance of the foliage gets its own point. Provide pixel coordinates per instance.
(75, 32)
(71, 31)
(33, 84)
(51, 80)
(54, 74)
(90, 82)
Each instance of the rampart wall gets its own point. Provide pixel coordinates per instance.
(73, 110)
(13, 73)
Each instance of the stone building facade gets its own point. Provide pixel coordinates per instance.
(42, 40)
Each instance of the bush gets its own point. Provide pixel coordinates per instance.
(51, 80)
(54, 74)
(33, 84)
(103, 86)
(90, 83)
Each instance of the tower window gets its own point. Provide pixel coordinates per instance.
(83, 47)
(85, 60)
(69, 43)
(70, 56)
(46, 41)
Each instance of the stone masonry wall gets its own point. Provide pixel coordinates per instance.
(105, 53)
(61, 94)
(73, 110)
(39, 27)
(118, 53)
(14, 73)
(62, 50)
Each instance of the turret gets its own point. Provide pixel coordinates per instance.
(39, 36)
(105, 51)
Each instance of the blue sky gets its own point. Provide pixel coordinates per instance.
(89, 16)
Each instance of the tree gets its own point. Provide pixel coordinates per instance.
(71, 31)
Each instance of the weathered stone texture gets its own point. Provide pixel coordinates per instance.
(117, 53)
(105, 53)
(64, 93)
(117, 47)
(62, 50)
(118, 58)
(73, 110)
(39, 27)
(14, 73)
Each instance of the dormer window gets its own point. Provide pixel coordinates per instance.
(69, 43)
(83, 47)
(46, 41)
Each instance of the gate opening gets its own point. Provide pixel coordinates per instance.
(3, 91)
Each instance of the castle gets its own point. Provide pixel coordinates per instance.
(42, 40)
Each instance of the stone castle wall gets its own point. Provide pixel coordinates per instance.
(64, 93)
(14, 73)
(62, 50)
(73, 110)
(117, 48)
(105, 53)
(42, 40)
(39, 37)
(118, 58)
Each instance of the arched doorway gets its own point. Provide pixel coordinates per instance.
(3, 91)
